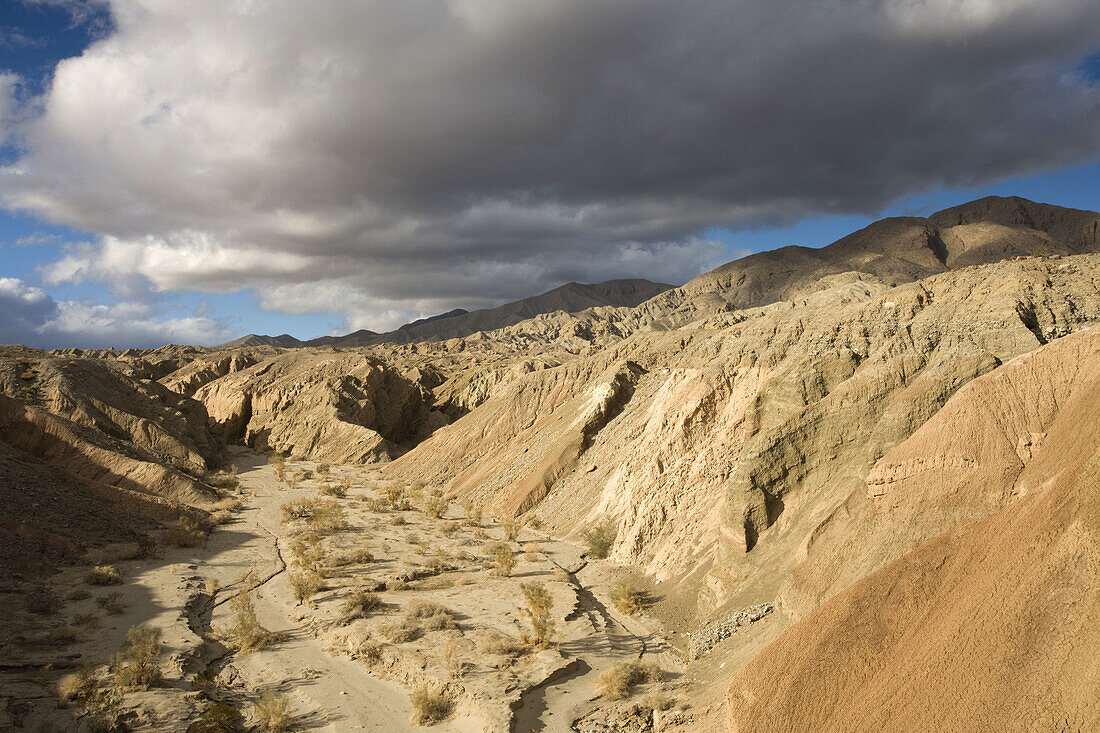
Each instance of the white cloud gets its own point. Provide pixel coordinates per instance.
(29, 315)
(412, 155)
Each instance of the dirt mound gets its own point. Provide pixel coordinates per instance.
(987, 626)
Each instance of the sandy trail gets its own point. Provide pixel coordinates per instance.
(329, 693)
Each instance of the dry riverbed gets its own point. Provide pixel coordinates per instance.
(387, 608)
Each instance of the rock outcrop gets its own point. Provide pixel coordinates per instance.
(986, 626)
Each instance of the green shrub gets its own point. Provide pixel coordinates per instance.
(221, 717)
(628, 596)
(273, 711)
(538, 614)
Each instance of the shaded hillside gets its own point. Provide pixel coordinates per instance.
(985, 627)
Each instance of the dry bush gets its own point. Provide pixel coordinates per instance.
(220, 717)
(337, 491)
(375, 505)
(246, 634)
(396, 497)
(224, 479)
(111, 604)
(431, 706)
(497, 643)
(430, 616)
(103, 575)
(42, 600)
(323, 469)
(361, 556)
(359, 604)
(449, 529)
(320, 515)
(628, 596)
(62, 635)
(90, 620)
(187, 532)
(222, 516)
(473, 516)
(304, 585)
(137, 666)
(480, 534)
(397, 584)
(617, 682)
(534, 523)
(399, 632)
(80, 594)
(228, 504)
(510, 527)
(450, 660)
(102, 705)
(273, 711)
(435, 505)
(538, 614)
(599, 538)
(399, 520)
(365, 649)
(504, 561)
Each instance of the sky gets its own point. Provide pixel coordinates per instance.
(188, 172)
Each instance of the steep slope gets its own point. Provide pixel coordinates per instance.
(988, 626)
(728, 443)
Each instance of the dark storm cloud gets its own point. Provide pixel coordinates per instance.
(386, 157)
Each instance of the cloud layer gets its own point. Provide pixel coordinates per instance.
(33, 317)
(380, 157)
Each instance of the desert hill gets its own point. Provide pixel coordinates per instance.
(569, 298)
(983, 627)
(876, 437)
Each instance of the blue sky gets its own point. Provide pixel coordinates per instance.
(86, 259)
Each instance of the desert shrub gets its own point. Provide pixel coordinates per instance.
(102, 705)
(337, 491)
(246, 633)
(397, 498)
(42, 601)
(374, 505)
(628, 596)
(89, 620)
(537, 612)
(504, 561)
(226, 480)
(222, 516)
(532, 551)
(599, 538)
(80, 594)
(111, 604)
(273, 711)
(304, 585)
(62, 635)
(510, 527)
(430, 616)
(497, 643)
(365, 649)
(479, 533)
(220, 717)
(449, 529)
(137, 667)
(397, 584)
(103, 575)
(320, 515)
(617, 682)
(361, 556)
(399, 632)
(435, 505)
(534, 523)
(430, 706)
(658, 701)
(473, 516)
(450, 660)
(208, 681)
(187, 532)
(359, 604)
